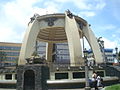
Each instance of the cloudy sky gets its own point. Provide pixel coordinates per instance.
(103, 15)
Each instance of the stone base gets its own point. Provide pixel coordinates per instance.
(32, 77)
(87, 88)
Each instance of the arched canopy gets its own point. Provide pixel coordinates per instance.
(58, 28)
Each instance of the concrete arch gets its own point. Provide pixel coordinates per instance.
(59, 28)
(73, 38)
(92, 40)
(29, 42)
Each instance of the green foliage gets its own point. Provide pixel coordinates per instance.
(119, 55)
(113, 87)
(35, 54)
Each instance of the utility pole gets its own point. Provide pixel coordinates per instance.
(87, 86)
(101, 44)
(116, 49)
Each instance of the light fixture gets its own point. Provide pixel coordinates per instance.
(57, 69)
(68, 68)
(91, 67)
(80, 68)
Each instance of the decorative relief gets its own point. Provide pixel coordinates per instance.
(69, 14)
(50, 20)
(33, 18)
(80, 25)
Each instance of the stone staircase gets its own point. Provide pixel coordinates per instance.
(112, 70)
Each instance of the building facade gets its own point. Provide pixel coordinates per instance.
(9, 53)
(108, 55)
(60, 52)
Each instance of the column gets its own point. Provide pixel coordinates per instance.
(49, 52)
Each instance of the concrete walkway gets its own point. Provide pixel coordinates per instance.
(6, 89)
(58, 89)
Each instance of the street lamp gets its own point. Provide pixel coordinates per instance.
(101, 44)
(103, 50)
(87, 86)
(116, 49)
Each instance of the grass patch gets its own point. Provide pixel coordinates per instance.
(113, 87)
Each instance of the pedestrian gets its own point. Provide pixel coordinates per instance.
(94, 80)
(99, 81)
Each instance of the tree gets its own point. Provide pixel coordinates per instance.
(119, 56)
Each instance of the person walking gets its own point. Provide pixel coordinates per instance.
(94, 80)
(99, 81)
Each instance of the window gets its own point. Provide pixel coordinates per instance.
(12, 53)
(101, 73)
(8, 76)
(61, 75)
(78, 75)
(15, 76)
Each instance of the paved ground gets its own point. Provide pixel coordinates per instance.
(77, 89)
(56, 89)
(6, 89)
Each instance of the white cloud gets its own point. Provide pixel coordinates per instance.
(114, 36)
(110, 44)
(15, 15)
(63, 1)
(100, 5)
(87, 8)
(86, 4)
(82, 4)
(7, 34)
(109, 27)
(114, 8)
(87, 14)
(51, 7)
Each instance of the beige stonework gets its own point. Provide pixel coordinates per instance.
(73, 38)
(58, 28)
(92, 40)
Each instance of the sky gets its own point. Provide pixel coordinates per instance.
(103, 15)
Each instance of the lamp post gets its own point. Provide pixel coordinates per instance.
(103, 50)
(101, 44)
(87, 86)
(116, 49)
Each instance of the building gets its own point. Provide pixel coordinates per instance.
(9, 53)
(61, 56)
(60, 52)
(108, 55)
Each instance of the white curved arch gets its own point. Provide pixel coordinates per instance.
(93, 43)
(73, 38)
(29, 42)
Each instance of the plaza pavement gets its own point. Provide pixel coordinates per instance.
(58, 89)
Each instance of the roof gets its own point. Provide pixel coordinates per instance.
(106, 50)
